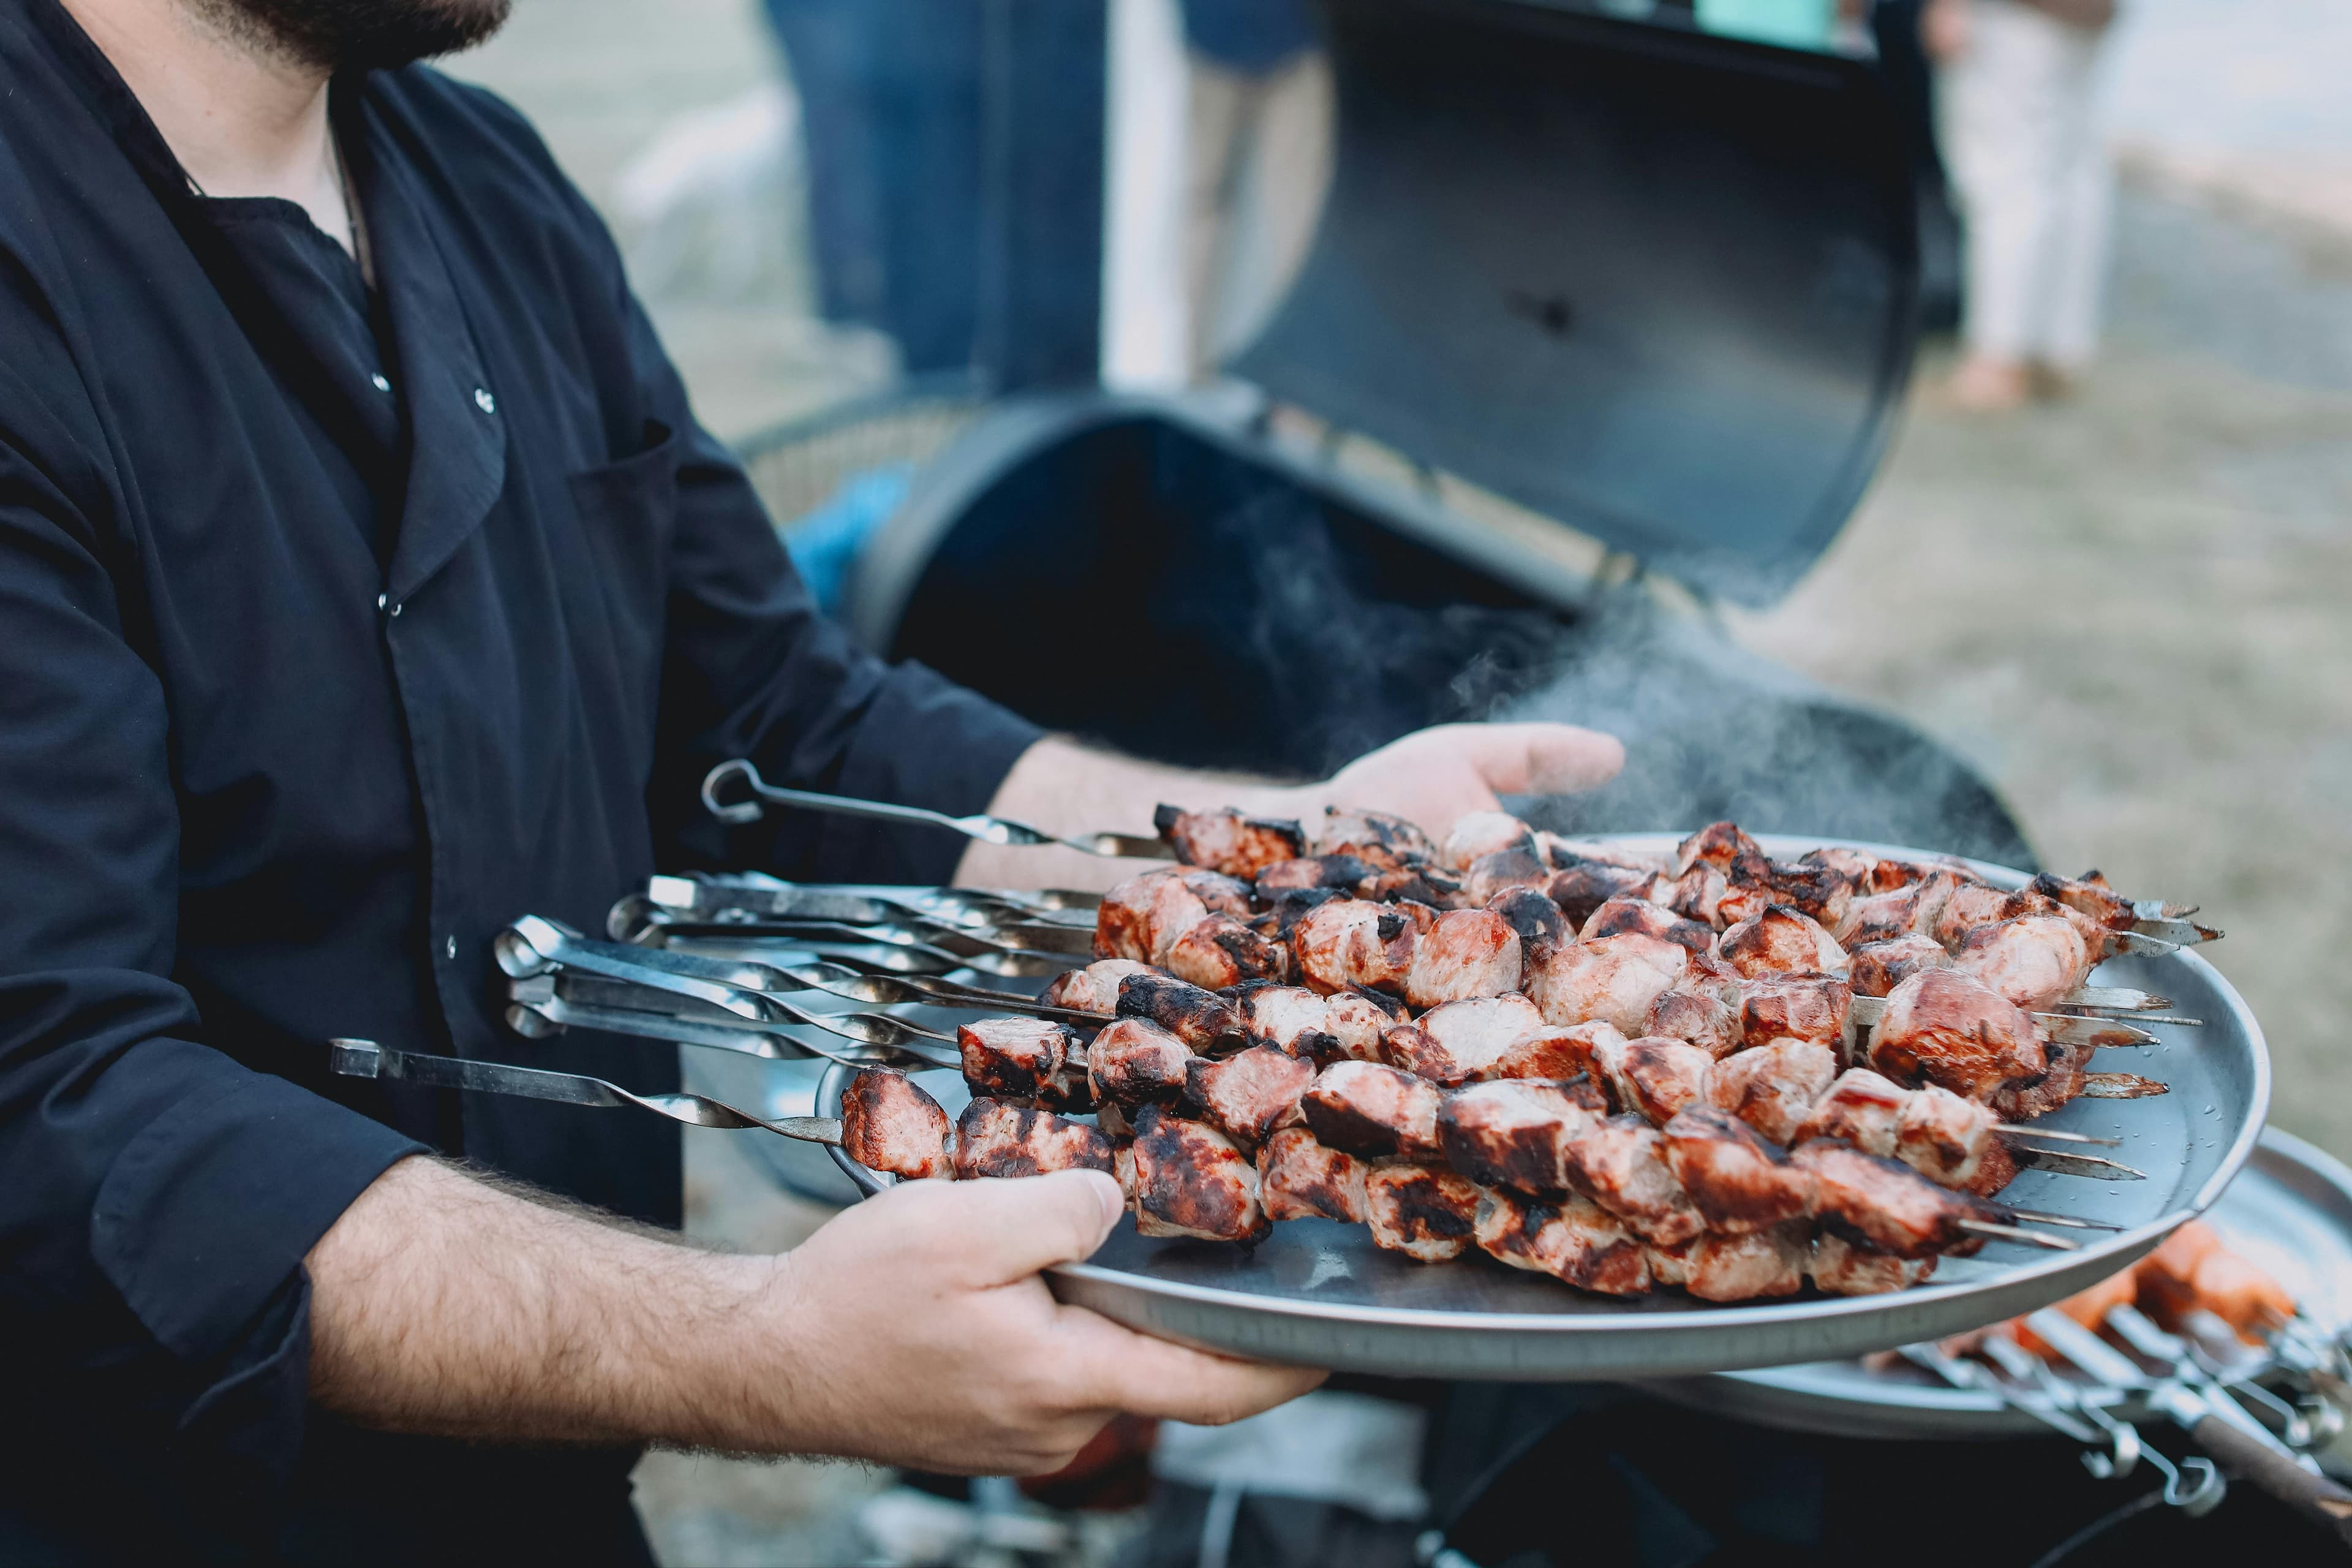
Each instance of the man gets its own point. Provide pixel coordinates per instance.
(364, 583)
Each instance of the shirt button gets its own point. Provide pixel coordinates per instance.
(382, 601)
(450, 947)
(381, 384)
(484, 401)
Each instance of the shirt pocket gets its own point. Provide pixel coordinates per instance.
(628, 514)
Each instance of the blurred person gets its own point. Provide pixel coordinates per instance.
(2016, 93)
(1259, 155)
(365, 582)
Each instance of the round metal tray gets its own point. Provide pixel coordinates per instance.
(2290, 1210)
(1319, 1293)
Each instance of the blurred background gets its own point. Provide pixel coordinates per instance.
(1931, 423)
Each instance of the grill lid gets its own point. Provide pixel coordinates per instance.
(1656, 285)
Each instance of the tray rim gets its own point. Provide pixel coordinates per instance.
(1607, 1336)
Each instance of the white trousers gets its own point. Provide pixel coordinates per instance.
(2021, 136)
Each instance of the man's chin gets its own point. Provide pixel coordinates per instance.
(336, 35)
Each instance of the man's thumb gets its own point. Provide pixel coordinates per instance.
(1012, 1228)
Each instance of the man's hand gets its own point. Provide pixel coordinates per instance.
(1431, 776)
(911, 1330)
(920, 1334)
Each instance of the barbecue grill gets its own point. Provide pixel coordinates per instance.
(1594, 306)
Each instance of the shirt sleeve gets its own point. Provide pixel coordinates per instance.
(157, 1197)
(754, 669)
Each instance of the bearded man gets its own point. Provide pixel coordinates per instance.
(365, 582)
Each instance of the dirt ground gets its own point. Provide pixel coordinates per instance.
(2128, 609)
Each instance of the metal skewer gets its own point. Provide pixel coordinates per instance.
(739, 774)
(539, 1008)
(366, 1059)
(2086, 1166)
(2013, 1233)
(2075, 1028)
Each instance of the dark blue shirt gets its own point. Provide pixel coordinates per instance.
(308, 684)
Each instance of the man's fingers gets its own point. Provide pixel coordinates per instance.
(1541, 759)
(994, 1232)
(1117, 1369)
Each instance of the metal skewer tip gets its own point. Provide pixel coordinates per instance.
(2052, 1134)
(2018, 1234)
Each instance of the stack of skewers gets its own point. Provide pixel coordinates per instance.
(1719, 1071)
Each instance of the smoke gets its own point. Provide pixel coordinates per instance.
(1712, 729)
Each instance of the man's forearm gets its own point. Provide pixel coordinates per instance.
(443, 1304)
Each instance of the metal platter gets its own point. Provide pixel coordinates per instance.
(1320, 1293)
(2290, 1211)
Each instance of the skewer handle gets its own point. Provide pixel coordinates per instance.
(2316, 1498)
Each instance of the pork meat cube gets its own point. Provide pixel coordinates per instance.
(1697, 1017)
(1741, 1181)
(1542, 925)
(1299, 1178)
(1750, 1266)
(1620, 915)
(1954, 1031)
(1946, 1139)
(1191, 1180)
(1220, 951)
(1355, 944)
(1201, 1018)
(2033, 961)
(1875, 968)
(1513, 1132)
(1843, 1268)
(1569, 1238)
(1580, 887)
(1773, 1088)
(1466, 954)
(1795, 1007)
(1374, 1111)
(1095, 988)
(1227, 842)
(1134, 1062)
(1143, 918)
(1425, 1213)
(1290, 1018)
(1888, 1204)
(1014, 1059)
(995, 1139)
(1780, 941)
(1558, 1052)
(1461, 1040)
(888, 1123)
(1245, 1094)
(1358, 1020)
(1484, 833)
(1655, 1078)
(1614, 980)
(1620, 1165)
(1490, 875)
(1356, 832)
(1861, 1107)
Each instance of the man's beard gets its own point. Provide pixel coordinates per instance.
(334, 34)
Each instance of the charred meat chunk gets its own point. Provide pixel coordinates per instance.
(1354, 942)
(1750, 1265)
(1490, 875)
(1875, 968)
(1095, 988)
(1220, 951)
(1245, 1095)
(1794, 1007)
(1614, 980)
(1142, 917)
(1375, 1112)
(1620, 1165)
(1780, 941)
(1513, 1132)
(1844, 1268)
(1739, 1180)
(1358, 1019)
(1357, 832)
(1191, 1180)
(1696, 1016)
(1134, 1062)
(2090, 896)
(1717, 844)
(1581, 887)
(1954, 1031)
(2034, 959)
(1888, 1204)
(1484, 833)
(1909, 909)
(1620, 915)
(1541, 924)
(1948, 1140)
(1466, 953)
(1014, 1059)
(2060, 1079)
(1202, 1019)
(1298, 1178)
(888, 1123)
(1461, 1040)
(1860, 1107)
(1342, 873)
(1227, 842)
(1426, 1213)
(1569, 1238)
(1282, 915)
(1655, 1078)
(1554, 1052)
(1812, 888)
(1290, 1018)
(1773, 1088)
(994, 1139)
